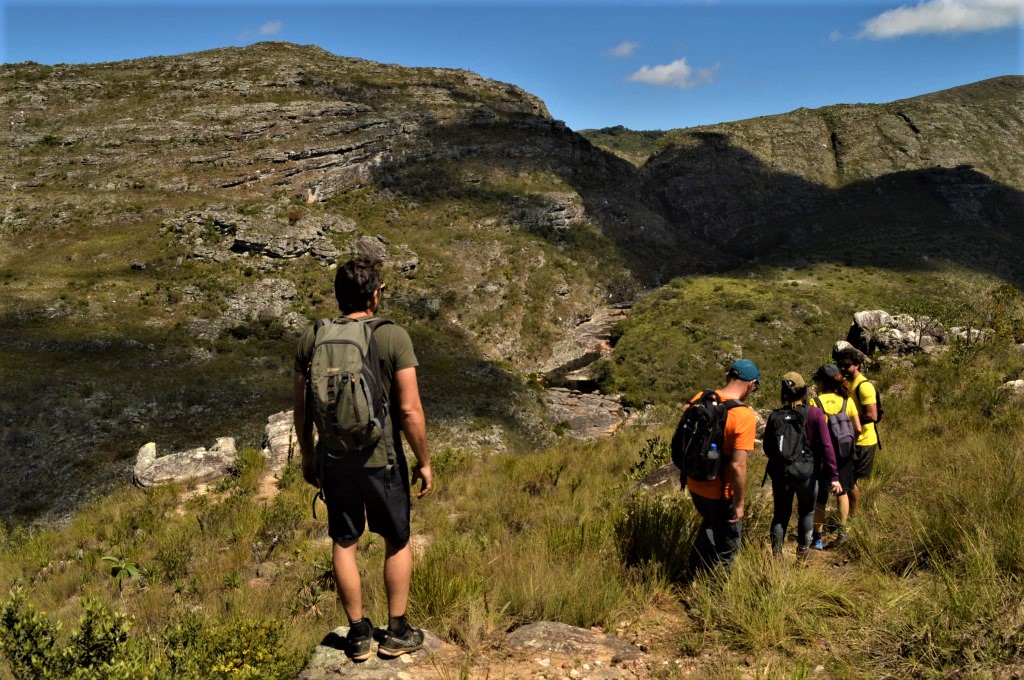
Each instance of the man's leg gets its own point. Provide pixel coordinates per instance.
(401, 638)
(397, 577)
(703, 553)
(346, 575)
(865, 462)
(730, 536)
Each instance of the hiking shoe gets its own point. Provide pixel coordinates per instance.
(392, 645)
(358, 642)
(838, 541)
(817, 544)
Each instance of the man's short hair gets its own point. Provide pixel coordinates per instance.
(849, 355)
(356, 283)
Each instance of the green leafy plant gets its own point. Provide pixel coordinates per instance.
(122, 568)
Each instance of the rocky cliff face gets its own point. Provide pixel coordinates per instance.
(920, 167)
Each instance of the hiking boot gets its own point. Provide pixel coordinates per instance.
(393, 645)
(359, 640)
(817, 544)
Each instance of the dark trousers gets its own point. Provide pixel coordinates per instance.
(783, 492)
(717, 540)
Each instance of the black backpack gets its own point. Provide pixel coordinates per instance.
(785, 443)
(701, 426)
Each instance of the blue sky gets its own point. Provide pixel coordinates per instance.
(650, 65)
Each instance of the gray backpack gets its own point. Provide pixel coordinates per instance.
(840, 429)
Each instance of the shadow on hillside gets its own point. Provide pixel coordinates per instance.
(906, 220)
(711, 206)
(611, 188)
(76, 411)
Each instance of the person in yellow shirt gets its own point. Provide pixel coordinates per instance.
(832, 393)
(866, 398)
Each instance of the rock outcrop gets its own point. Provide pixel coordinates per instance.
(199, 464)
(329, 661)
(1013, 389)
(779, 182)
(901, 334)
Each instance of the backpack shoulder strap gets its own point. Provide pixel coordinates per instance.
(843, 407)
(821, 407)
(374, 323)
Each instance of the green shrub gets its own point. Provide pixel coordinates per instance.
(233, 649)
(657, 530)
(97, 650)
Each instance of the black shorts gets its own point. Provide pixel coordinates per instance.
(865, 457)
(357, 497)
(846, 479)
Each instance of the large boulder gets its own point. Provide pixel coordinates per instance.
(201, 465)
(900, 334)
(1013, 389)
(555, 644)
(279, 444)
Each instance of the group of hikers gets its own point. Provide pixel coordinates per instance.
(817, 446)
(355, 382)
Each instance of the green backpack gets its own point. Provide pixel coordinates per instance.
(350, 408)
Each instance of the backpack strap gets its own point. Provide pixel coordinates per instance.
(878, 401)
(373, 323)
(730, 404)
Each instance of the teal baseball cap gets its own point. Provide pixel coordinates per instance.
(745, 369)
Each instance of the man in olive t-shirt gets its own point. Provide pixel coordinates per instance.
(361, 489)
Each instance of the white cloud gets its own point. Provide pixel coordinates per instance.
(624, 49)
(677, 74)
(271, 27)
(944, 16)
(835, 36)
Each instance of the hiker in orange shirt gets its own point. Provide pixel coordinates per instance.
(720, 502)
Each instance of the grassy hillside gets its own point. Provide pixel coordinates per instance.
(684, 335)
(636, 146)
(927, 586)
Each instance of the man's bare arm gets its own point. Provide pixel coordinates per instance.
(738, 463)
(414, 426)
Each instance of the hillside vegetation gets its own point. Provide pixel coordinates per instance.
(169, 226)
(927, 586)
